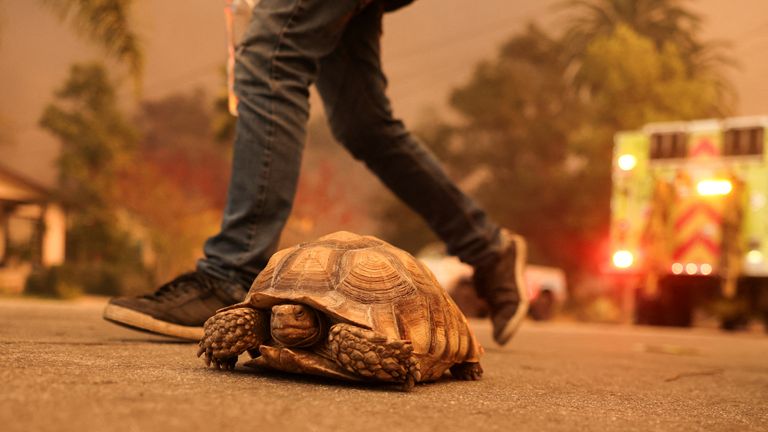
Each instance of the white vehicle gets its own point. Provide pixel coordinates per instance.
(546, 285)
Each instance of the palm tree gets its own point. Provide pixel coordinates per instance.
(662, 21)
(107, 23)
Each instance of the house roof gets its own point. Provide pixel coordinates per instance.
(16, 187)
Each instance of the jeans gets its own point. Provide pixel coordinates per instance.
(290, 45)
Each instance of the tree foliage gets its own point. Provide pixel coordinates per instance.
(176, 189)
(96, 144)
(660, 21)
(664, 23)
(96, 138)
(223, 122)
(108, 24)
(142, 195)
(177, 138)
(632, 82)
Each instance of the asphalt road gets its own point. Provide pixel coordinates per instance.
(64, 369)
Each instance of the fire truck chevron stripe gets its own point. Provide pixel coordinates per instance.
(704, 147)
(699, 238)
(697, 209)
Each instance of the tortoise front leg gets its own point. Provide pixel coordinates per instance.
(230, 333)
(374, 356)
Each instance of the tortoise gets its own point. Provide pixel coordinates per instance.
(349, 307)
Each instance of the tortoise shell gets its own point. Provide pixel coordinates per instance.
(365, 281)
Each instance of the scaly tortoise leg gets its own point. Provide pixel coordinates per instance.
(230, 333)
(374, 356)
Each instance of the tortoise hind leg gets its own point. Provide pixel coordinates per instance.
(467, 371)
(373, 356)
(230, 333)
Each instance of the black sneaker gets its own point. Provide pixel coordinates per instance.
(502, 284)
(179, 308)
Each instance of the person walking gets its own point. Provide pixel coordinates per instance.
(290, 45)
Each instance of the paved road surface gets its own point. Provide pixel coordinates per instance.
(63, 369)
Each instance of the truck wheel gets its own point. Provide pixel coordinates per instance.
(733, 323)
(762, 303)
(676, 301)
(648, 310)
(735, 313)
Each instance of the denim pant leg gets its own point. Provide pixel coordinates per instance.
(352, 86)
(276, 63)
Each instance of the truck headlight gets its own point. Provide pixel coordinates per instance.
(626, 162)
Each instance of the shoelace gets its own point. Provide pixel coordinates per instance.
(179, 286)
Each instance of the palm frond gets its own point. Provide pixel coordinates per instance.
(107, 23)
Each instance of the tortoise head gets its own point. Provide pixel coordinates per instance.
(296, 325)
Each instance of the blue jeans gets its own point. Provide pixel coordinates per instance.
(290, 45)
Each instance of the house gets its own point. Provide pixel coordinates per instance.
(32, 229)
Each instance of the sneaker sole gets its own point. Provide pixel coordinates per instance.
(140, 321)
(521, 256)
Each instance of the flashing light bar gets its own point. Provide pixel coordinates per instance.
(714, 187)
(692, 269)
(623, 259)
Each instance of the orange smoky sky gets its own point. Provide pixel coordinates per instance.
(428, 48)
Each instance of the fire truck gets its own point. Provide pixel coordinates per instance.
(689, 219)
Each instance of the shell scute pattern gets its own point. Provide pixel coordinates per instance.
(373, 277)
